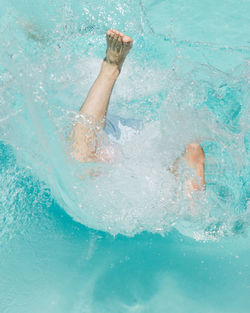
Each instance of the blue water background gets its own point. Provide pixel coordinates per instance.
(49, 263)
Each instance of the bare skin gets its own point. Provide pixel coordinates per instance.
(195, 159)
(85, 145)
(96, 104)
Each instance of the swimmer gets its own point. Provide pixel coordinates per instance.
(85, 145)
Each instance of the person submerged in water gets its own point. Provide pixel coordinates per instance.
(85, 144)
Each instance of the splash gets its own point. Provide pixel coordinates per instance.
(46, 71)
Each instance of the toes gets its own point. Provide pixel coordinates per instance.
(119, 44)
(116, 37)
(119, 34)
(114, 41)
(113, 34)
(109, 36)
(127, 40)
(108, 33)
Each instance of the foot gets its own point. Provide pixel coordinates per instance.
(195, 159)
(118, 46)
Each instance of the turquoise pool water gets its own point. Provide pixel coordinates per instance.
(124, 241)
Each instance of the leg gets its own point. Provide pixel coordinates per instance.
(195, 158)
(96, 104)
